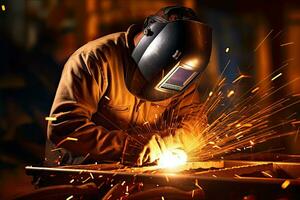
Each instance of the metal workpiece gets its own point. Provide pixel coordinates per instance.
(232, 179)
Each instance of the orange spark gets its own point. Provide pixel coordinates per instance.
(255, 89)
(286, 44)
(50, 119)
(240, 77)
(285, 184)
(230, 93)
(275, 77)
(72, 139)
(70, 197)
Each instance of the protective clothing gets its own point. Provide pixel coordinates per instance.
(96, 118)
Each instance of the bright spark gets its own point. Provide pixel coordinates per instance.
(127, 190)
(255, 89)
(227, 50)
(50, 119)
(3, 8)
(91, 175)
(275, 77)
(263, 40)
(67, 139)
(88, 178)
(72, 139)
(230, 93)
(56, 149)
(172, 158)
(70, 197)
(286, 44)
(267, 174)
(197, 184)
(240, 77)
(285, 184)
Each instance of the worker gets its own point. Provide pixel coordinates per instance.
(128, 96)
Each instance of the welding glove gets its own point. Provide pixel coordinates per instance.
(152, 150)
(155, 148)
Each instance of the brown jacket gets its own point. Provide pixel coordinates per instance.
(97, 118)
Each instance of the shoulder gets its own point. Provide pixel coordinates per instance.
(97, 53)
(102, 45)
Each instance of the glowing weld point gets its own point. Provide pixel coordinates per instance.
(230, 93)
(278, 75)
(162, 198)
(251, 142)
(227, 50)
(50, 119)
(106, 97)
(210, 94)
(172, 158)
(285, 184)
(3, 8)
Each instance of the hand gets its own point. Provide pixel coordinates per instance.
(152, 150)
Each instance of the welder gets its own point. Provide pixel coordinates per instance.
(126, 96)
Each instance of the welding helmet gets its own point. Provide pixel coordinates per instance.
(170, 56)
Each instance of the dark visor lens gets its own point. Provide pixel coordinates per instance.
(178, 79)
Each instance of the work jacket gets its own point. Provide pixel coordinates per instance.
(94, 118)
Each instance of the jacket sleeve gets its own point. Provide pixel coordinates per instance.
(82, 85)
(189, 122)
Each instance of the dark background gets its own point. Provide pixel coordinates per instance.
(37, 37)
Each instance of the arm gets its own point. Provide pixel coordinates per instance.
(81, 87)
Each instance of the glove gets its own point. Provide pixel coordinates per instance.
(152, 150)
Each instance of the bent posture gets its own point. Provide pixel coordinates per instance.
(128, 96)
